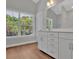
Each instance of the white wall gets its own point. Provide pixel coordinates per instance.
(19, 40)
(41, 15)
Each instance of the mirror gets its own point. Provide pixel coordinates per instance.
(60, 15)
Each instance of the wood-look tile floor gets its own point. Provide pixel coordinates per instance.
(25, 52)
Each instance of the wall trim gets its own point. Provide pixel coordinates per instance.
(18, 44)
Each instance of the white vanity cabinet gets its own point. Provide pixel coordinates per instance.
(58, 43)
(65, 46)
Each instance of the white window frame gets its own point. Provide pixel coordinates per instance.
(33, 26)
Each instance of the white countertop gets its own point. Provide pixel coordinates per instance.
(59, 30)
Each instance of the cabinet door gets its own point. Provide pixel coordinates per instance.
(39, 39)
(44, 41)
(65, 49)
(53, 47)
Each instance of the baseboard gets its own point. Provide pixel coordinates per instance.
(18, 44)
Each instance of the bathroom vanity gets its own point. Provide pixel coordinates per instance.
(57, 43)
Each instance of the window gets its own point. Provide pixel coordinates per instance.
(25, 24)
(12, 23)
(49, 23)
(18, 23)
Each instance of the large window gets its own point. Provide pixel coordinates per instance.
(18, 23)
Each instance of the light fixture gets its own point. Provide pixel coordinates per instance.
(35, 1)
(50, 3)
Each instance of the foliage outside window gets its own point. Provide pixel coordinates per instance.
(14, 24)
(26, 25)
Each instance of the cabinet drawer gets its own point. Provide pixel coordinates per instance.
(52, 40)
(52, 35)
(66, 35)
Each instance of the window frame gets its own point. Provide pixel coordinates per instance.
(19, 32)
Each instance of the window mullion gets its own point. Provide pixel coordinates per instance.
(19, 29)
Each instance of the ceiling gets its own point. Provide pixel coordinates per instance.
(29, 6)
(66, 4)
(22, 5)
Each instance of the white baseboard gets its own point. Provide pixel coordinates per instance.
(18, 44)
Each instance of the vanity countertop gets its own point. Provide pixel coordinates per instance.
(59, 30)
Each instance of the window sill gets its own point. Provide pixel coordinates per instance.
(18, 36)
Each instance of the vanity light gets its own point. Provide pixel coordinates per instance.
(50, 3)
(35, 1)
